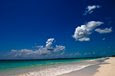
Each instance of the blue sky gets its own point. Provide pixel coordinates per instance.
(25, 24)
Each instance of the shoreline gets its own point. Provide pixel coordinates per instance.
(88, 71)
(59, 70)
(82, 68)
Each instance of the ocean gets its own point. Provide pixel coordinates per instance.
(42, 67)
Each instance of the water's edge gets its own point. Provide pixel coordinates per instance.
(51, 68)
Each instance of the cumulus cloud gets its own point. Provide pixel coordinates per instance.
(49, 43)
(104, 31)
(48, 49)
(82, 32)
(91, 8)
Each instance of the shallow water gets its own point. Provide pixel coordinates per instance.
(43, 67)
(6, 65)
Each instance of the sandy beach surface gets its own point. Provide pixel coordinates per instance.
(106, 68)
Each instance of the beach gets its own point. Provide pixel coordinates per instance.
(59, 69)
(105, 68)
(90, 67)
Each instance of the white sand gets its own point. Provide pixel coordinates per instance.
(107, 69)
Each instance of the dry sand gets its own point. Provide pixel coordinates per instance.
(105, 68)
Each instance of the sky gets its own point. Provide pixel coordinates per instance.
(56, 28)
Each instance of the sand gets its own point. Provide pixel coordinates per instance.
(104, 68)
(107, 69)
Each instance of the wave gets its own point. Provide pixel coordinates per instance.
(57, 70)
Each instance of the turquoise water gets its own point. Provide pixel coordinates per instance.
(9, 65)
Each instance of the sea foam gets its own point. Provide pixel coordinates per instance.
(57, 70)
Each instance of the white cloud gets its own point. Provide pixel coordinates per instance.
(49, 43)
(84, 39)
(58, 48)
(82, 32)
(48, 49)
(103, 31)
(91, 8)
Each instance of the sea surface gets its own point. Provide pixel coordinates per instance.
(42, 67)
